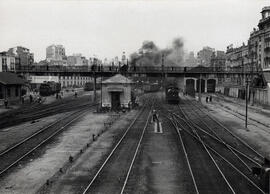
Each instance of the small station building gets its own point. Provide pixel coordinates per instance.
(116, 92)
(10, 87)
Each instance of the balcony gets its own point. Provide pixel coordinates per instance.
(267, 46)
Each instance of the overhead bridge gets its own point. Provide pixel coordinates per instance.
(170, 71)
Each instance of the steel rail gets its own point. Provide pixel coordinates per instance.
(41, 143)
(251, 121)
(228, 162)
(213, 160)
(136, 152)
(112, 152)
(225, 144)
(216, 139)
(185, 153)
(233, 166)
(210, 115)
(39, 131)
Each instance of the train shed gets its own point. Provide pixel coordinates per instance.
(116, 92)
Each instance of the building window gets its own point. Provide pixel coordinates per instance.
(17, 91)
(8, 92)
(1, 93)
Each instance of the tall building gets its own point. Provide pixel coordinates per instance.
(190, 60)
(237, 57)
(55, 53)
(7, 62)
(259, 42)
(218, 60)
(204, 56)
(23, 57)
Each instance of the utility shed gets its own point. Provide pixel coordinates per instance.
(116, 92)
(10, 86)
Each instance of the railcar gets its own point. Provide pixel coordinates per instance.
(154, 87)
(172, 94)
(89, 86)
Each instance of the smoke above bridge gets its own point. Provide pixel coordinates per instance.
(151, 55)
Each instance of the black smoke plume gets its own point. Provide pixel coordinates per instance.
(150, 55)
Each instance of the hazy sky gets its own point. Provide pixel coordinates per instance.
(106, 28)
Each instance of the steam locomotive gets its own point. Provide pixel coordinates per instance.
(49, 88)
(172, 94)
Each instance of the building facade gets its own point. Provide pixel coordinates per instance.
(190, 60)
(23, 56)
(10, 87)
(116, 92)
(204, 56)
(77, 60)
(56, 54)
(7, 62)
(218, 60)
(74, 81)
(259, 42)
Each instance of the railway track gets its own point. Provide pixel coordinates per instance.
(242, 117)
(37, 112)
(16, 153)
(113, 174)
(206, 174)
(213, 126)
(232, 164)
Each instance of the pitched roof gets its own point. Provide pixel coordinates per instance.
(118, 78)
(7, 78)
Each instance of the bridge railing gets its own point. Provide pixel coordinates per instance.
(135, 69)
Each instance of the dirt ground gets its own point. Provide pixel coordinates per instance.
(79, 173)
(29, 177)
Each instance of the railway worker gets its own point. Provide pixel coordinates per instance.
(22, 99)
(31, 98)
(129, 105)
(206, 99)
(155, 116)
(75, 94)
(6, 103)
(39, 100)
(210, 99)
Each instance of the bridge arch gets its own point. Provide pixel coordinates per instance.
(211, 85)
(190, 86)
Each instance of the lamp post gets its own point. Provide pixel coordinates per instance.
(101, 70)
(247, 94)
(94, 74)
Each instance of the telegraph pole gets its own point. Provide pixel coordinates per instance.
(247, 94)
(162, 69)
(101, 70)
(95, 81)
